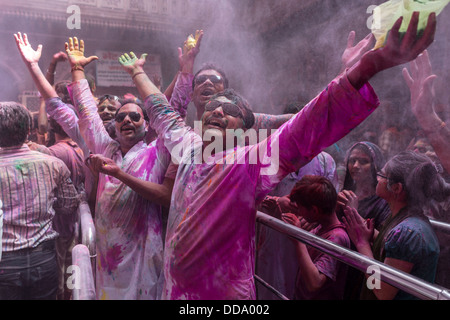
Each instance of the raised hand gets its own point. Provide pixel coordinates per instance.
(131, 63)
(420, 83)
(29, 55)
(59, 57)
(190, 50)
(353, 53)
(75, 54)
(398, 51)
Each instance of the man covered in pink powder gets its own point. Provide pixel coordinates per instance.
(210, 240)
(128, 220)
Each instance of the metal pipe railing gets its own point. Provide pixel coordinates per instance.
(439, 225)
(390, 275)
(87, 227)
(272, 289)
(83, 277)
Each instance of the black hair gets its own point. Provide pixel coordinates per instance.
(237, 99)
(139, 104)
(56, 128)
(211, 66)
(15, 124)
(419, 176)
(318, 191)
(62, 91)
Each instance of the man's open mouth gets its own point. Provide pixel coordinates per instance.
(214, 122)
(208, 92)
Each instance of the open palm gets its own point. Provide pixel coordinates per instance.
(420, 83)
(28, 54)
(130, 62)
(75, 53)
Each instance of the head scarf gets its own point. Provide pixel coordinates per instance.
(376, 157)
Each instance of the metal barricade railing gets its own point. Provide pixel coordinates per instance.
(272, 289)
(83, 277)
(439, 225)
(87, 230)
(390, 275)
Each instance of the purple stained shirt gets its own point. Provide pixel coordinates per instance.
(335, 271)
(129, 235)
(34, 188)
(210, 241)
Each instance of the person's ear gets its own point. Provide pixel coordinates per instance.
(397, 188)
(315, 210)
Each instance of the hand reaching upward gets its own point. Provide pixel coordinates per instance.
(352, 52)
(190, 50)
(75, 54)
(131, 63)
(420, 83)
(29, 55)
(398, 50)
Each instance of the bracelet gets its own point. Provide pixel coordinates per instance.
(53, 73)
(137, 73)
(77, 67)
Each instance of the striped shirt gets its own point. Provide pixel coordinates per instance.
(33, 188)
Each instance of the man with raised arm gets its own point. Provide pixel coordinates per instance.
(129, 228)
(210, 243)
(206, 82)
(198, 88)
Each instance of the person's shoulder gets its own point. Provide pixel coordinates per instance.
(49, 159)
(339, 235)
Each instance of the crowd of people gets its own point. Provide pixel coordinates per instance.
(175, 205)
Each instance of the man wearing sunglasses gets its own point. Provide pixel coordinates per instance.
(129, 223)
(206, 82)
(210, 240)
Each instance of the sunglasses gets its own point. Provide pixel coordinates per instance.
(215, 79)
(107, 97)
(229, 108)
(134, 116)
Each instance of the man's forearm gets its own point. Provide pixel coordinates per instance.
(154, 192)
(50, 74)
(361, 73)
(42, 118)
(143, 83)
(44, 87)
(270, 121)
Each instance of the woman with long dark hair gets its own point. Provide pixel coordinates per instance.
(408, 182)
(363, 161)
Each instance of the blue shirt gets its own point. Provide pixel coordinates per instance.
(414, 240)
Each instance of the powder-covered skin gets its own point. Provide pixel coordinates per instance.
(129, 231)
(210, 241)
(182, 93)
